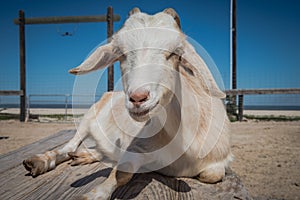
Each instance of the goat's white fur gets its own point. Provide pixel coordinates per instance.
(185, 131)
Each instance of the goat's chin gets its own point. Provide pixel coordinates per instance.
(140, 117)
(143, 114)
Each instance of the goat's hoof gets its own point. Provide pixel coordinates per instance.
(82, 158)
(212, 174)
(35, 165)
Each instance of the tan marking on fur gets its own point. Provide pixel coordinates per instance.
(102, 102)
(49, 155)
(123, 178)
(82, 157)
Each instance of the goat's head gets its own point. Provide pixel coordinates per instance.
(151, 49)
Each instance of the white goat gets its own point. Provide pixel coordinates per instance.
(169, 119)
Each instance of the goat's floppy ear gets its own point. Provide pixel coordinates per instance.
(193, 62)
(173, 13)
(101, 57)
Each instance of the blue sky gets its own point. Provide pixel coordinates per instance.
(268, 40)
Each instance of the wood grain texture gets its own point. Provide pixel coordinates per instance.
(15, 158)
(67, 19)
(263, 91)
(67, 182)
(11, 92)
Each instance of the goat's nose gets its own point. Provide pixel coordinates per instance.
(138, 97)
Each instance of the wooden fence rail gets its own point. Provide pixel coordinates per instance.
(241, 92)
(11, 93)
(263, 91)
(67, 19)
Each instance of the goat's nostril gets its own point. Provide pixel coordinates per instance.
(138, 98)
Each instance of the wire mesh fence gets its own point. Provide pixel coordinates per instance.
(50, 107)
(70, 107)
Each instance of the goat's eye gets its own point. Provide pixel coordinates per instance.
(178, 52)
(170, 55)
(119, 52)
(123, 56)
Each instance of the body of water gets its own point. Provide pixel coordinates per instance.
(246, 107)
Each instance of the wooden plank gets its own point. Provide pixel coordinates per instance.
(62, 183)
(263, 91)
(11, 92)
(66, 182)
(15, 158)
(66, 19)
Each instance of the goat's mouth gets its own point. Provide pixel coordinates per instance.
(141, 114)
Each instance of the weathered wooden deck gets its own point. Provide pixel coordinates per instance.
(67, 182)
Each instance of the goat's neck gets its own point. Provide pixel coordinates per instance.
(173, 120)
(174, 112)
(182, 112)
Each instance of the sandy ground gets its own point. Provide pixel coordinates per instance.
(267, 156)
(14, 134)
(273, 112)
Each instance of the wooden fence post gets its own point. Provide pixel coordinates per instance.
(110, 30)
(241, 107)
(22, 66)
(233, 51)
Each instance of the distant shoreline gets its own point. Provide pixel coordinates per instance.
(80, 111)
(84, 106)
(263, 107)
(288, 113)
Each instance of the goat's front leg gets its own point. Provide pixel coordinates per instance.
(104, 191)
(41, 163)
(120, 175)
